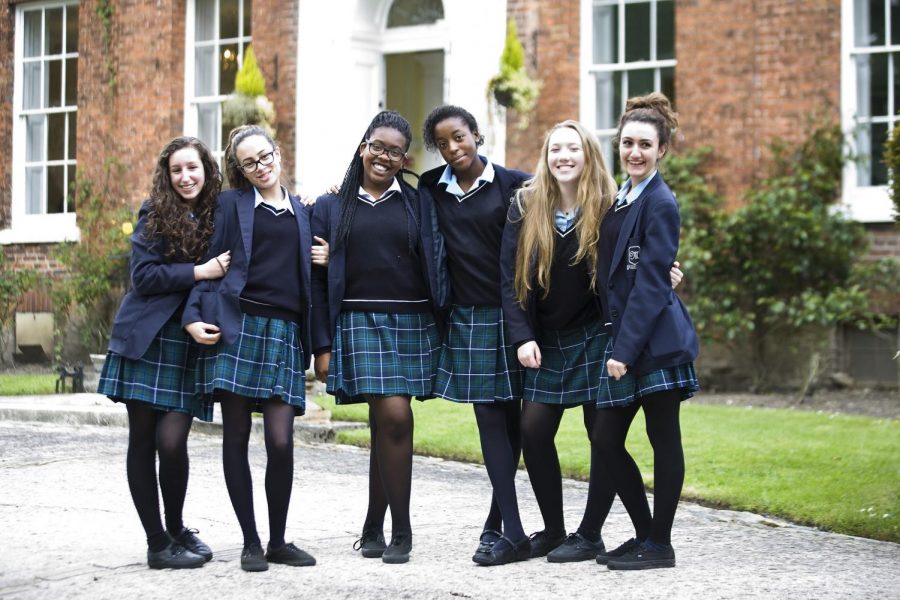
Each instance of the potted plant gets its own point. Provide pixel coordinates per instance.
(513, 87)
(248, 105)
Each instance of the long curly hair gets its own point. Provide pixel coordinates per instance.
(183, 230)
(537, 202)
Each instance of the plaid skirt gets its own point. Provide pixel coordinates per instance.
(632, 387)
(265, 361)
(382, 354)
(476, 363)
(163, 377)
(572, 370)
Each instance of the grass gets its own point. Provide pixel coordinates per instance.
(27, 384)
(837, 472)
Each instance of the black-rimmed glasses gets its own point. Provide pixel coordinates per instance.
(250, 166)
(377, 149)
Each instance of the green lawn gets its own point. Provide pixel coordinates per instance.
(837, 472)
(27, 384)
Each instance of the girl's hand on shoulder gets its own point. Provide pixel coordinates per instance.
(320, 252)
(529, 355)
(214, 268)
(320, 366)
(307, 200)
(616, 369)
(334, 190)
(203, 333)
(675, 274)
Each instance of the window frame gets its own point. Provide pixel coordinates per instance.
(864, 203)
(42, 227)
(588, 96)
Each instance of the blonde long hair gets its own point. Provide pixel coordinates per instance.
(537, 203)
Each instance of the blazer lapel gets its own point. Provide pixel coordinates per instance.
(302, 217)
(245, 210)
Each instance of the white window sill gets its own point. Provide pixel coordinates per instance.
(41, 229)
(868, 204)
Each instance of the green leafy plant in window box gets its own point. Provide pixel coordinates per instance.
(513, 87)
(249, 104)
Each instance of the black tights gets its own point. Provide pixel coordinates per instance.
(661, 413)
(540, 422)
(152, 432)
(278, 425)
(390, 461)
(499, 427)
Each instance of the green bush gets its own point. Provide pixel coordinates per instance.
(13, 284)
(892, 161)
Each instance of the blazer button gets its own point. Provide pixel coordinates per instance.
(614, 314)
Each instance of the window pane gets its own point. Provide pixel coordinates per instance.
(33, 33)
(879, 85)
(205, 17)
(665, 30)
(56, 136)
(608, 99)
(228, 68)
(56, 189)
(53, 39)
(637, 32)
(208, 124)
(53, 83)
(228, 19)
(34, 190)
(34, 138)
(73, 131)
(71, 81)
(640, 82)
(895, 22)
(72, 28)
(879, 170)
(667, 83)
(405, 13)
(31, 85)
(248, 13)
(70, 187)
(205, 71)
(895, 58)
(606, 34)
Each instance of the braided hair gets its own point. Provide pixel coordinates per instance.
(353, 179)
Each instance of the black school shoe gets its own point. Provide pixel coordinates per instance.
(290, 555)
(174, 556)
(644, 557)
(371, 543)
(253, 559)
(188, 538)
(575, 549)
(618, 552)
(503, 552)
(543, 542)
(399, 549)
(487, 539)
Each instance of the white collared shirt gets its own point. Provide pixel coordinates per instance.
(367, 197)
(448, 178)
(279, 205)
(630, 195)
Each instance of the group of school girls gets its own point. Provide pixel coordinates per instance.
(521, 295)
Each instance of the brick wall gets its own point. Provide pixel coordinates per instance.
(7, 62)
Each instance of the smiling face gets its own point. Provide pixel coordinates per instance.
(639, 150)
(379, 171)
(565, 156)
(457, 144)
(186, 173)
(255, 148)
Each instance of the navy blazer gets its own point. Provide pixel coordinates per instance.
(329, 283)
(158, 287)
(509, 180)
(520, 322)
(218, 301)
(650, 325)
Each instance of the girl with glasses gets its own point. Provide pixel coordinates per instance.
(255, 324)
(374, 335)
(150, 362)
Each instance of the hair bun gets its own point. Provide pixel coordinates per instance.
(655, 101)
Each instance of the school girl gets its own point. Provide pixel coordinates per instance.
(469, 199)
(653, 342)
(374, 334)
(261, 311)
(150, 362)
(549, 266)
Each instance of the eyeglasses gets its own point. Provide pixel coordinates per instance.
(250, 166)
(377, 149)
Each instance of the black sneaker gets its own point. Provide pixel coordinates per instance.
(644, 557)
(188, 538)
(398, 551)
(576, 548)
(289, 554)
(622, 550)
(174, 556)
(371, 543)
(543, 542)
(253, 559)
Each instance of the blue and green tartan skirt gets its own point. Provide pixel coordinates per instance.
(382, 354)
(265, 361)
(163, 377)
(476, 363)
(631, 387)
(572, 370)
